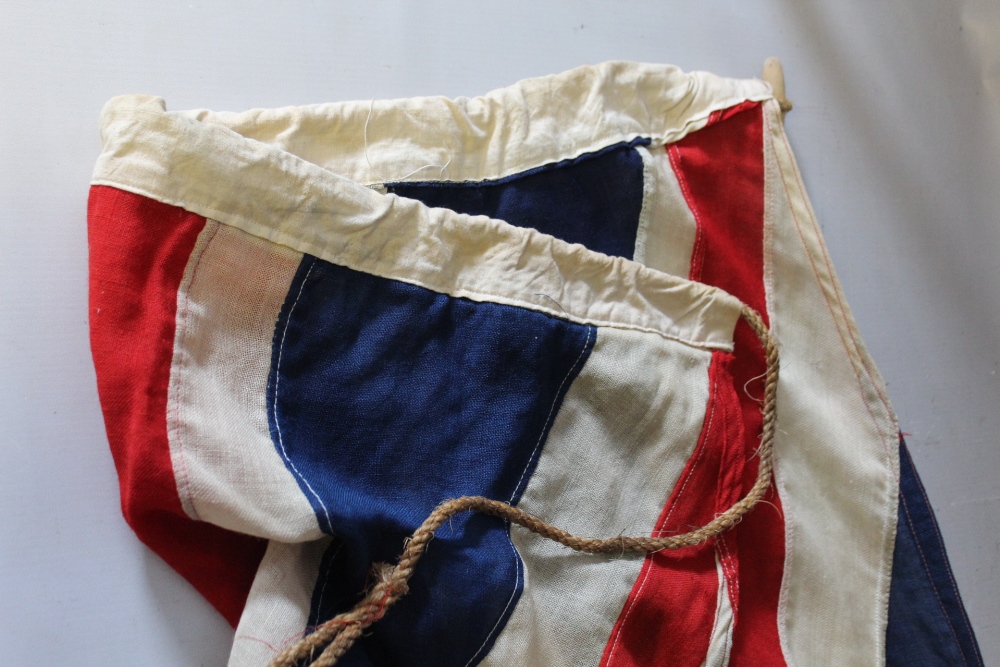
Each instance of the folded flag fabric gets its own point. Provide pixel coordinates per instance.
(312, 325)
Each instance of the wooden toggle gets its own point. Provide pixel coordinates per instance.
(774, 74)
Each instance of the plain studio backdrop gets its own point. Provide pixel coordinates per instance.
(896, 128)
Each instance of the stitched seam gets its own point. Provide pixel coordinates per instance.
(260, 231)
(676, 132)
(954, 584)
(459, 292)
(322, 591)
(708, 435)
(729, 643)
(698, 251)
(731, 576)
(860, 359)
(837, 321)
(642, 584)
(781, 170)
(771, 202)
(930, 577)
(840, 298)
(628, 609)
(274, 410)
(728, 567)
(833, 313)
(548, 418)
(182, 362)
(718, 609)
(513, 594)
(729, 635)
(326, 579)
(729, 647)
(645, 213)
(527, 465)
(940, 540)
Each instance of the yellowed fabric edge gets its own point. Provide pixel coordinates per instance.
(857, 451)
(507, 131)
(212, 171)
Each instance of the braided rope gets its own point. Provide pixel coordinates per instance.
(340, 633)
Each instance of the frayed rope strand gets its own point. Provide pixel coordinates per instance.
(339, 634)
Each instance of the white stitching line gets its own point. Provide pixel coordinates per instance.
(718, 604)
(527, 465)
(697, 250)
(729, 641)
(732, 578)
(631, 601)
(180, 338)
(513, 593)
(728, 566)
(548, 418)
(645, 212)
(277, 379)
(326, 580)
(720, 592)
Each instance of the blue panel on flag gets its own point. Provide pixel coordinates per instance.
(386, 399)
(594, 199)
(928, 625)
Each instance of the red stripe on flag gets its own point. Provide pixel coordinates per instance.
(669, 615)
(721, 170)
(138, 252)
(723, 114)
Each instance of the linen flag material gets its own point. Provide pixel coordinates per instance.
(312, 325)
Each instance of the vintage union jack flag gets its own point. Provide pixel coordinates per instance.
(312, 325)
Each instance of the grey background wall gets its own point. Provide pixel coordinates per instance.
(896, 127)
